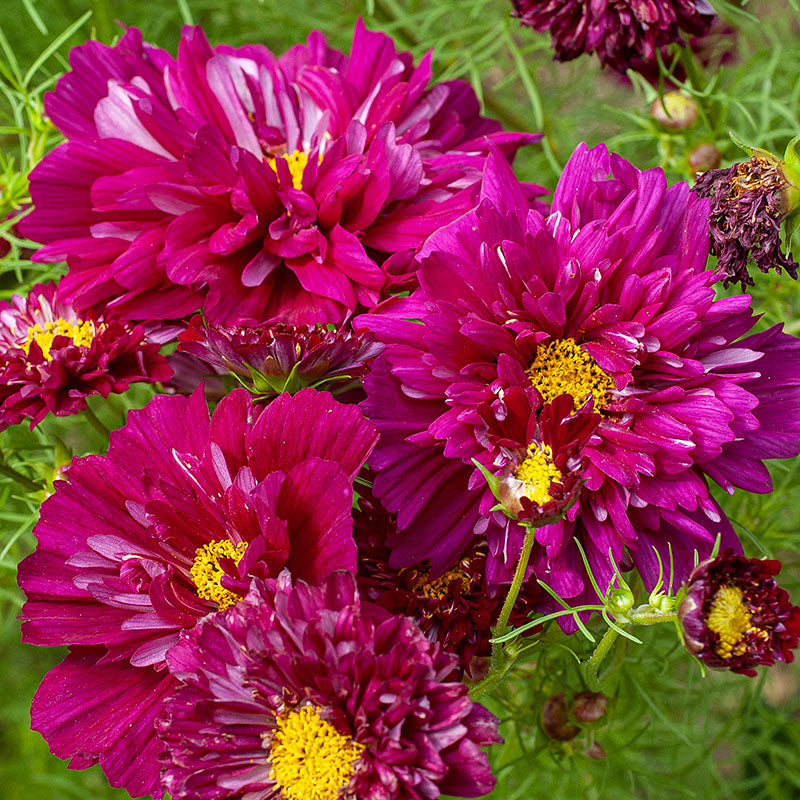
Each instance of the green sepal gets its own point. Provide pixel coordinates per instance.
(491, 480)
(753, 151)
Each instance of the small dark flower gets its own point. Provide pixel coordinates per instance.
(51, 359)
(748, 203)
(619, 32)
(455, 608)
(735, 616)
(278, 357)
(310, 693)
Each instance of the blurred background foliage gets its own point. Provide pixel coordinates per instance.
(669, 731)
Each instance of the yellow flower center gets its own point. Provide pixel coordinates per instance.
(438, 587)
(311, 760)
(82, 333)
(538, 471)
(730, 619)
(297, 164)
(207, 573)
(562, 366)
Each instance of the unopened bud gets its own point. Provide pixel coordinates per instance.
(555, 722)
(595, 750)
(704, 157)
(674, 111)
(589, 706)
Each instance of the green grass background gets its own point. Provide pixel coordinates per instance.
(670, 733)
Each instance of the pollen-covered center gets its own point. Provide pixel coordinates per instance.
(562, 366)
(310, 759)
(439, 588)
(730, 618)
(538, 471)
(81, 332)
(207, 573)
(297, 164)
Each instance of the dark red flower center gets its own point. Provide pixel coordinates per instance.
(439, 588)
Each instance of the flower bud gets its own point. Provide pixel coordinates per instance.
(674, 111)
(704, 157)
(589, 706)
(555, 720)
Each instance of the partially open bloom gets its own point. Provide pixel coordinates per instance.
(620, 32)
(258, 186)
(169, 526)
(276, 357)
(607, 299)
(748, 203)
(52, 358)
(309, 693)
(456, 609)
(735, 616)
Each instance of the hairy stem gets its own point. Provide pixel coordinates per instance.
(592, 667)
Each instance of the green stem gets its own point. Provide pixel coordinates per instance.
(516, 583)
(23, 481)
(596, 659)
(498, 653)
(97, 423)
(493, 679)
(645, 616)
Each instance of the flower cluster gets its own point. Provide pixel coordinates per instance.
(415, 413)
(169, 526)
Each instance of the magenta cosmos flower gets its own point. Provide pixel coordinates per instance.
(735, 616)
(166, 528)
(308, 693)
(52, 359)
(608, 300)
(254, 185)
(620, 32)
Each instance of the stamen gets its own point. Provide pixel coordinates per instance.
(538, 472)
(310, 759)
(562, 366)
(207, 573)
(82, 333)
(730, 618)
(439, 587)
(297, 164)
